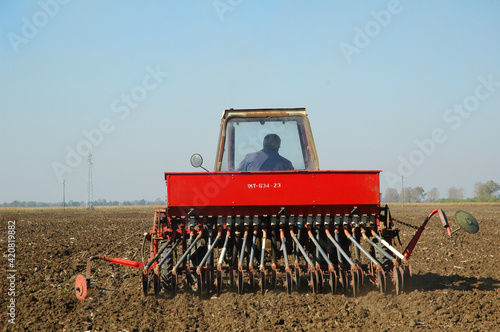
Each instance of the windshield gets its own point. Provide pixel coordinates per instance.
(245, 136)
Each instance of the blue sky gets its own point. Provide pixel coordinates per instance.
(408, 87)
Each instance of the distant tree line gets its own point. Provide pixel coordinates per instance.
(99, 202)
(483, 192)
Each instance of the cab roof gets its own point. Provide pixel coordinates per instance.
(263, 112)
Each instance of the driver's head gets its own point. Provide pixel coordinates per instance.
(272, 141)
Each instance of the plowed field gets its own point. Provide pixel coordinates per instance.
(455, 285)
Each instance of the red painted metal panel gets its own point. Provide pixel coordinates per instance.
(249, 193)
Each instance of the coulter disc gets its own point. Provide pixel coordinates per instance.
(199, 284)
(313, 281)
(156, 283)
(406, 278)
(231, 277)
(288, 282)
(240, 282)
(263, 282)
(380, 281)
(297, 278)
(218, 282)
(333, 282)
(467, 222)
(145, 282)
(354, 283)
(396, 279)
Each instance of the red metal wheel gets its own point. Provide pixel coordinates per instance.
(81, 287)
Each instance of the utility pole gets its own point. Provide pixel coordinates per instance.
(90, 185)
(402, 191)
(64, 195)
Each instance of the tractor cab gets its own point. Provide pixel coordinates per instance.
(243, 131)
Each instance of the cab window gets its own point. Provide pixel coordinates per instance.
(246, 135)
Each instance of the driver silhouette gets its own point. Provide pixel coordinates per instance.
(267, 159)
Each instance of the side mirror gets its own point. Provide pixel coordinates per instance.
(197, 160)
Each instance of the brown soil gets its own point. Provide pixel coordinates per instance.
(455, 283)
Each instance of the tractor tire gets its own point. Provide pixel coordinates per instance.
(166, 268)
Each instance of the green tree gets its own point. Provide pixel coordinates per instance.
(433, 195)
(486, 190)
(417, 194)
(456, 193)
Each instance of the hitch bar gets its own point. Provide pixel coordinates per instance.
(416, 237)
